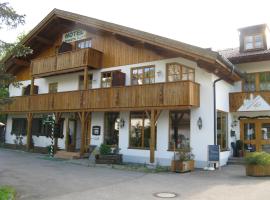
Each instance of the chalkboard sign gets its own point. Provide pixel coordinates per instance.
(213, 153)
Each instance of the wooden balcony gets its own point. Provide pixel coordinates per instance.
(173, 95)
(66, 62)
(237, 98)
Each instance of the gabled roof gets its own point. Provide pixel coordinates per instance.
(210, 60)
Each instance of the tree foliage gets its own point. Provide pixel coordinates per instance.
(10, 19)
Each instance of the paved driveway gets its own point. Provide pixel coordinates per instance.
(37, 178)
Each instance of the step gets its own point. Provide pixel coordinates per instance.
(236, 161)
(67, 155)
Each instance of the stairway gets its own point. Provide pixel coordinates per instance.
(67, 155)
(236, 161)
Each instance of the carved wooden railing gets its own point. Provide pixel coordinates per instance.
(66, 62)
(159, 95)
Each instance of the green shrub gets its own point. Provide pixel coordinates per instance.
(105, 149)
(7, 193)
(258, 158)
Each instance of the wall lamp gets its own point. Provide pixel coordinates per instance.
(199, 123)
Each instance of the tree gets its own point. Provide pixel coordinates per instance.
(9, 18)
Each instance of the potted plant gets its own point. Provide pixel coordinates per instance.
(258, 164)
(107, 155)
(183, 160)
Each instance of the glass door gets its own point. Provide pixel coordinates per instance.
(255, 135)
(265, 136)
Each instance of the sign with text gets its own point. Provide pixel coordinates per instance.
(213, 153)
(74, 36)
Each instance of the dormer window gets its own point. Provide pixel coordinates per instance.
(253, 42)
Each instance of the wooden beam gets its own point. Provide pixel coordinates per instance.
(57, 118)
(153, 137)
(21, 62)
(29, 131)
(44, 40)
(83, 128)
(32, 85)
(85, 79)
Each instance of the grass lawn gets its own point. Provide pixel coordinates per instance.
(7, 193)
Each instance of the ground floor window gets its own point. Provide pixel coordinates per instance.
(222, 130)
(179, 129)
(19, 126)
(111, 128)
(140, 130)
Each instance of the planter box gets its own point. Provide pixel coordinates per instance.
(258, 170)
(109, 159)
(182, 166)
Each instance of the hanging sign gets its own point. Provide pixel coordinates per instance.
(74, 35)
(255, 104)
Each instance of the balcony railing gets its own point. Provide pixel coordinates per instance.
(68, 61)
(237, 98)
(159, 95)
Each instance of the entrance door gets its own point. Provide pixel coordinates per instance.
(111, 128)
(71, 135)
(255, 134)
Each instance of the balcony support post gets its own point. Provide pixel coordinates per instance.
(153, 118)
(32, 85)
(85, 79)
(83, 116)
(29, 131)
(57, 120)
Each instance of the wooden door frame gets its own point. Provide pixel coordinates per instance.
(258, 141)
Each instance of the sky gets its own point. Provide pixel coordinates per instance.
(204, 23)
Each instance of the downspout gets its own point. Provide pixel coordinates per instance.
(215, 109)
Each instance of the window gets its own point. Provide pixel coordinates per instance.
(106, 79)
(264, 80)
(81, 81)
(111, 128)
(250, 83)
(142, 75)
(83, 44)
(37, 126)
(253, 42)
(140, 130)
(222, 130)
(53, 87)
(177, 72)
(179, 131)
(19, 126)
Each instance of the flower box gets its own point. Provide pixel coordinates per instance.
(258, 170)
(182, 166)
(109, 159)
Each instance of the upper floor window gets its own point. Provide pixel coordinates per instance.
(253, 42)
(142, 75)
(257, 82)
(83, 44)
(53, 87)
(250, 83)
(177, 72)
(264, 78)
(81, 81)
(106, 79)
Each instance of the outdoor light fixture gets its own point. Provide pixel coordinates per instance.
(199, 123)
(122, 123)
